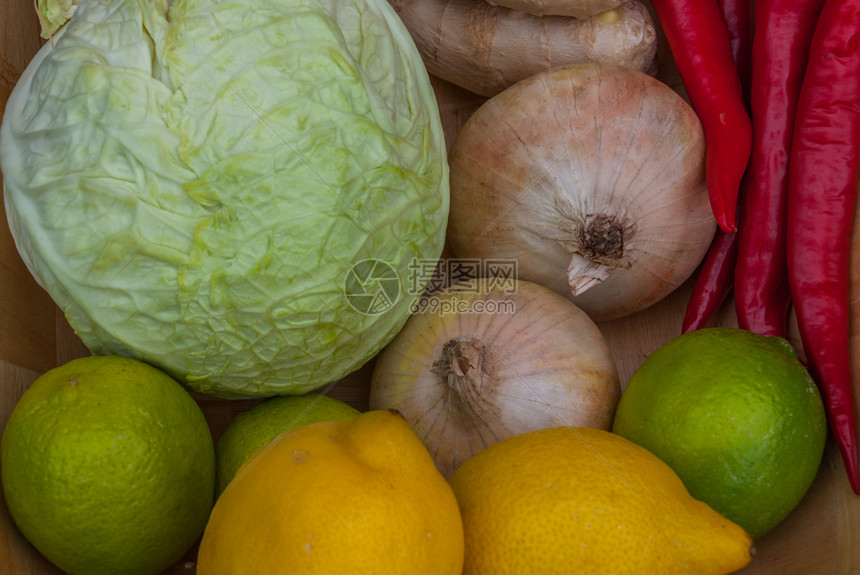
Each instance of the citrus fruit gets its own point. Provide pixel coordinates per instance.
(337, 497)
(254, 429)
(736, 415)
(108, 467)
(583, 500)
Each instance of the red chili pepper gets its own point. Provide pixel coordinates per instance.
(783, 34)
(701, 46)
(716, 275)
(822, 193)
(737, 15)
(713, 283)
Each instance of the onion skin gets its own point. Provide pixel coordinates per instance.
(591, 177)
(466, 380)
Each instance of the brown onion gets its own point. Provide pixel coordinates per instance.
(484, 362)
(592, 179)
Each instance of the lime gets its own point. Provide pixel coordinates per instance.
(108, 467)
(736, 415)
(252, 430)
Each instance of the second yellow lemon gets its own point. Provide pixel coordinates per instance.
(335, 497)
(586, 501)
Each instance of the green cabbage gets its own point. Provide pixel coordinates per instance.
(236, 192)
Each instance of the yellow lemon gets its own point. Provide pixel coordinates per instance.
(252, 430)
(580, 500)
(108, 467)
(336, 497)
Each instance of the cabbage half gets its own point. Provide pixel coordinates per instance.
(221, 187)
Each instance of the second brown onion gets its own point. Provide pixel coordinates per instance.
(593, 179)
(487, 360)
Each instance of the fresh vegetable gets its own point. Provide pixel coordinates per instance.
(574, 8)
(489, 360)
(701, 46)
(715, 279)
(713, 282)
(592, 178)
(221, 189)
(780, 51)
(738, 18)
(485, 48)
(822, 190)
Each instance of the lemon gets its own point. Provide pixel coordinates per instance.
(583, 500)
(736, 415)
(108, 467)
(336, 497)
(252, 430)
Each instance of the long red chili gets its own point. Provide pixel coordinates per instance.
(713, 282)
(737, 15)
(715, 279)
(780, 51)
(822, 193)
(701, 46)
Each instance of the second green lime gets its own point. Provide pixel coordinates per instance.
(736, 415)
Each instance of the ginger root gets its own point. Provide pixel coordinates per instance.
(485, 48)
(573, 8)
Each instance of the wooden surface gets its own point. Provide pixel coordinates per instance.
(821, 537)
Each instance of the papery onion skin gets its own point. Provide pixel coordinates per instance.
(576, 150)
(467, 380)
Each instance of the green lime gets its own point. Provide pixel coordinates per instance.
(252, 430)
(108, 467)
(736, 415)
